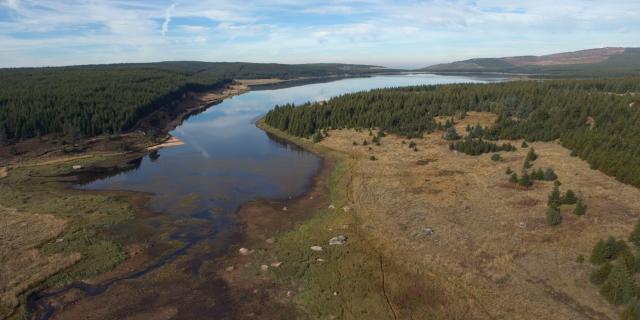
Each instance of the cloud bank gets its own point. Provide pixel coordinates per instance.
(394, 33)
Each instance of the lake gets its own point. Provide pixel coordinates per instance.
(196, 189)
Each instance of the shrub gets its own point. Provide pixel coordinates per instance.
(569, 197)
(600, 275)
(580, 259)
(634, 237)
(496, 157)
(509, 171)
(557, 183)
(580, 208)
(317, 137)
(620, 286)
(365, 142)
(412, 145)
(553, 216)
(524, 144)
(514, 178)
(355, 143)
(372, 158)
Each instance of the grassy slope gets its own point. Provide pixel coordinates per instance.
(88, 216)
(354, 281)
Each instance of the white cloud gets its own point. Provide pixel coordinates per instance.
(40, 32)
(167, 19)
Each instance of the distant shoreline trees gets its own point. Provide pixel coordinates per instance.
(584, 115)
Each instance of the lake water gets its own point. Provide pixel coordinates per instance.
(226, 160)
(197, 188)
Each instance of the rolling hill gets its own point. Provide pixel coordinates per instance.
(611, 61)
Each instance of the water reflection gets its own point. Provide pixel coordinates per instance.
(226, 160)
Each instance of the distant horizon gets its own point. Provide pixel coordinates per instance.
(393, 34)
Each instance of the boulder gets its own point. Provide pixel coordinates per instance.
(316, 248)
(338, 240)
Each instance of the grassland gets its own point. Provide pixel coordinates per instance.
(53, 234)
(451, 235)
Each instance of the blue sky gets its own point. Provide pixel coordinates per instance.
(388, 33)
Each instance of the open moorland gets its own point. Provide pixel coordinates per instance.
(439, 232)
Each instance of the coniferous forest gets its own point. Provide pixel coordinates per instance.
(599, 120)
(95, 99)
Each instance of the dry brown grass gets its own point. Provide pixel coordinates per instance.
(491, 244)
(22, 264)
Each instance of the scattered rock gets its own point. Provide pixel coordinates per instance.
(59, 240)
(230, 268)
(522, 225)
(77, 167)
(271, 240)
(335, 293)
(244, 251)
(264, 267)
(316, 248)
(276, 264)
(320, 260)
(338, 240)
(345, 209)
(289, 293)
(331, 206)
(284, 209)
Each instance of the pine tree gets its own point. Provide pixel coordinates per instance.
(509, 171)
(554, 198)
(569, 197)
(496, 157)
(620, 286)
(451, 134)
(514, 178)
(532, 155)
(634, 237)
(600, 275)
(553, 216)
(525, 179)
(524, 144)
(549, 175)
(631, 310)
(580, 208)
(607, 250)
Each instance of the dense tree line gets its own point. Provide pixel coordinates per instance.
(599, 120)
(96, 99)
(476, 147)
(88, 101)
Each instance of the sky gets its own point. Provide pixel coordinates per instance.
(406, 34)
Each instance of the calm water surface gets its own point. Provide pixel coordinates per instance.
(226, 160)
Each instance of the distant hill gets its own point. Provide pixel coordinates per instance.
(591, 62)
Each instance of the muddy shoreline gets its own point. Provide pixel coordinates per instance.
(257, 221)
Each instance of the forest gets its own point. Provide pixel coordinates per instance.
(89, 100)
(597, 119)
